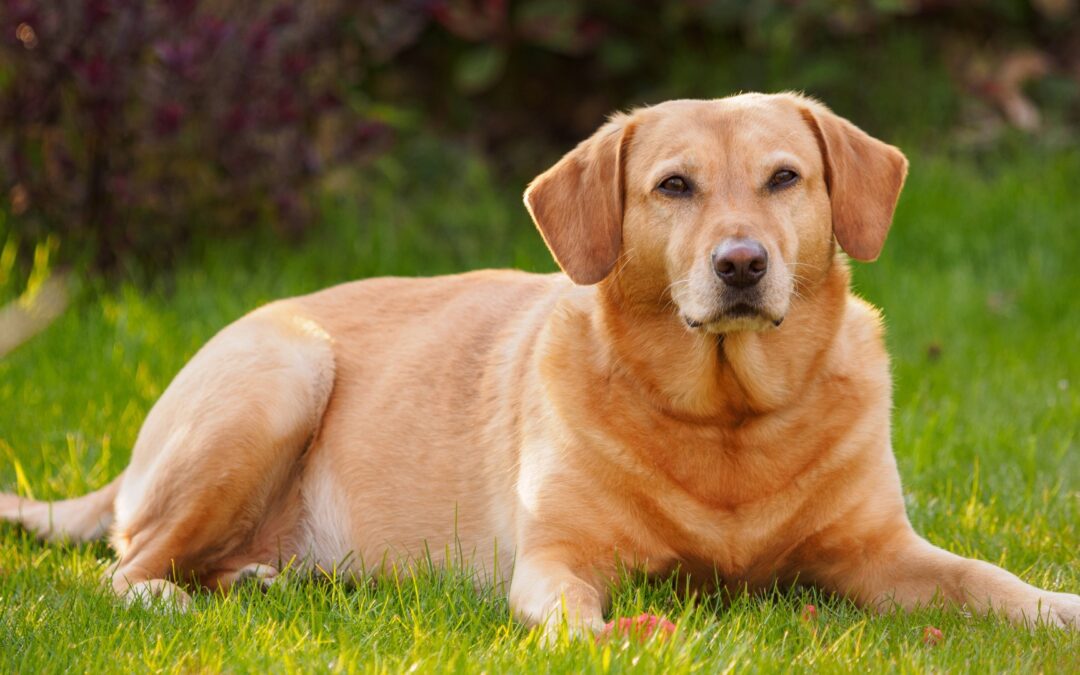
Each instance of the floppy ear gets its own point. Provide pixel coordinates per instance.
(864, 177)
(578, 204)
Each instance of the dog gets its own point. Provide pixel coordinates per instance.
(698, 392)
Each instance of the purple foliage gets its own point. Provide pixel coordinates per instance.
(131, 125)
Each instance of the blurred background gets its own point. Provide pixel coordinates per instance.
(132, 131)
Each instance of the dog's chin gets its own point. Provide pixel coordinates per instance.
(740, 317)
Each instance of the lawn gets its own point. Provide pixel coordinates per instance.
(980, 287)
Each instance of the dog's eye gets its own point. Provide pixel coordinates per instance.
(783, 178)
(675, 185)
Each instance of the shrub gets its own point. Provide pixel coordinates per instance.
(517, 69)
(130, 126)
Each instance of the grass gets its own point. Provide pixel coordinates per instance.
(979, 287)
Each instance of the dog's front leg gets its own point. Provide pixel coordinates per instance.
(903, 569)
(545, 592)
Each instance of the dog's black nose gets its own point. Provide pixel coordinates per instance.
(740, 262)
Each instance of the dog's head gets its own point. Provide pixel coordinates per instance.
(725, 208)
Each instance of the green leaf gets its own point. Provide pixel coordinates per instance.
(479, 69)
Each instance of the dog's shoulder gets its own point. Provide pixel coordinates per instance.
(859, 352)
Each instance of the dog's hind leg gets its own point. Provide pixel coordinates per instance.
(215, 466)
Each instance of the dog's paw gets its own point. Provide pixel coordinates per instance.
(157, 594)
(558, 629)
(1045, 608)
(1061, 609)
(262, 576)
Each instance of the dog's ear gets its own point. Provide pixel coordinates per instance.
(578, 204)
(864, 177)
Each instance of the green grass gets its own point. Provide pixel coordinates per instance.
(980, 288)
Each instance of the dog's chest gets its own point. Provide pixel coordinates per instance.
(729, 505)
(744, 545)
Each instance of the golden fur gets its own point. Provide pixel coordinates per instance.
(547, 432)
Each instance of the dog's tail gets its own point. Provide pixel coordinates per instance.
(85, 518)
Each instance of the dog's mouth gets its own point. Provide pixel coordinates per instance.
(719, 310)
(742, 309)
(739, 316)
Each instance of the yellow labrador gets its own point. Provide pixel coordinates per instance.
(699, 391)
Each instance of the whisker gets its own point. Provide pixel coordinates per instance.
(670, 297)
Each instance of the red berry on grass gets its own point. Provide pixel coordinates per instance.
(932, 636)
(641, 627)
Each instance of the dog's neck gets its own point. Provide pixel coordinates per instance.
(727, 378)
